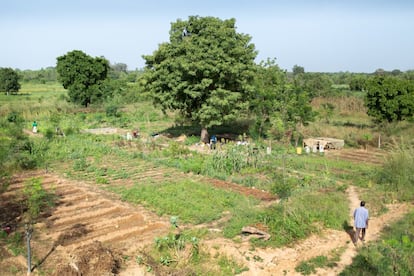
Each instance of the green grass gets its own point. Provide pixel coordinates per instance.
(311, 186)
(392, 254)
(191, 201)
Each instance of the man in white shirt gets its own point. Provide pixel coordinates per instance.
(361, 217)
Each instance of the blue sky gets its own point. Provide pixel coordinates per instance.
(320, 35)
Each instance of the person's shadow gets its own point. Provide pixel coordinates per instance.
(349, 230)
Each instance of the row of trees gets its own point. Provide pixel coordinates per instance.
(207, 73)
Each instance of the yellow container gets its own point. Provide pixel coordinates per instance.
(299, 150)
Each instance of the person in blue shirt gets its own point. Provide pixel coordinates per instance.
(361, 217)
(213, 142)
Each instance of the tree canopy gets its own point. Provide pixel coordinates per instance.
(204, 71)
(9, 80)
(389, 98)
(82, 75)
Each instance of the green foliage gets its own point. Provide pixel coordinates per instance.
(393, 254)
(192, 201)
(270, 82)
(42, 76)
(233, 160)
(83, 76)
(327, 111)
(314, 84)
(14, 117)
(283, 186)
(15, 243)
(112, 111)
(17, 150)
(229, 266)
(9, 80)
(37, 198)
(309, 267)
(297, 218)
(173, 242)
(296, 70)
(358, 83)
(176, 150)
(280, 108)
(390, 99)
(204, 71)
(394, 176)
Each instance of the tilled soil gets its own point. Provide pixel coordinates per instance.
(86, 233)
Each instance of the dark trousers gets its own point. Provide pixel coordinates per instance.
(357, 233)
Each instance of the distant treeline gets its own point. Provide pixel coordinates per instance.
(49, 74)
(350, 80)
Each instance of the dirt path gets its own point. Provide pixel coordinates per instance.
(87, 224)
(282, 261)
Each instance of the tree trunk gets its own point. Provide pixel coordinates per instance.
(204, 135)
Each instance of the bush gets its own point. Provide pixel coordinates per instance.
(112, 111)
(14, 117)
(26, 161)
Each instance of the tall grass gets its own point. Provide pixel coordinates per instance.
(295, 218)
(396, 177)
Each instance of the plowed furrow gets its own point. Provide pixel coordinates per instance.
(117, 236)
(84, 217)
(74, 198)
(69, 210)
(94, 231)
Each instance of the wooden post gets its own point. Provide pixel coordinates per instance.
(29, 231)
(379, 141)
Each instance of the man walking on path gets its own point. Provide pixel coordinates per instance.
(361, 217)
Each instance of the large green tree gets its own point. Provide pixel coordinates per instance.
(389, 98)
(281, 108)
(83, 76)
(204, 71)
(9, 80)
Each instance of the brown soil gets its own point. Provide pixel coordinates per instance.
(371, 155)
(90, 232)
(84, 234)
(259, 194)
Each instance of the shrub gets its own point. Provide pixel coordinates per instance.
(14, 117)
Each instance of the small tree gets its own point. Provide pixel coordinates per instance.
(9, 81)
(36, 199)
(327, 111)
(281, 108)
(296, 70)
(204, 72)
(83, 76)
(270, 83)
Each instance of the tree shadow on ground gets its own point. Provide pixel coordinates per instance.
(235, 129)
(38, 264)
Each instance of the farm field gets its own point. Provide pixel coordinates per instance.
(90, 226)
(162, 204)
